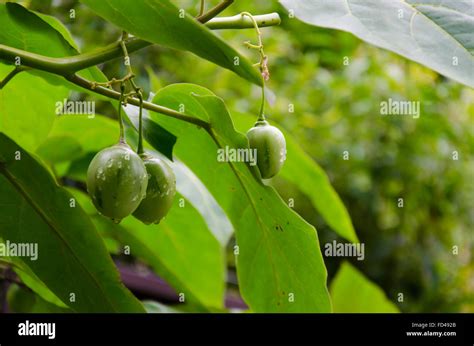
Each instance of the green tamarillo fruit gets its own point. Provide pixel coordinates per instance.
(270, 146)
(160, 191)
(117, 181)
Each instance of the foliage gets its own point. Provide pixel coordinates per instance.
(420, 28)
(322, 105)
(352, 292)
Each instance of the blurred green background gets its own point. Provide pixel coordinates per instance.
(336, 106)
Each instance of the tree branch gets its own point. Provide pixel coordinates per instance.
(150, 285)
(72, 64)
(241, 22)
(89, 85)
(68, 66)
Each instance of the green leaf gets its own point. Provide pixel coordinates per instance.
(37, 92)
(59, 149)
(91, 133)
(21, 300)
(164, 140)
(352, 292)
(29, 278)
(73, 136)
(153, 307)
(182, 251)
(59, 27)
(301, 170)
(24, 29)
(192, 188)
(278, 252)
(23, 102)
(77, 169)
(92, 73)
(159, 21)
(71, 256)
(103, 225)
(41, 34)
(434, 33)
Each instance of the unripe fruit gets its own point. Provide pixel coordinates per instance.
(116, 181)
(271, 148)
(160, 191)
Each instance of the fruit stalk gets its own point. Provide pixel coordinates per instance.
(262, 63)
(120, 119)
(140, 125)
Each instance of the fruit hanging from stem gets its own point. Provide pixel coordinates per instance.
(270, 146)
(160, 191)
(117, 181)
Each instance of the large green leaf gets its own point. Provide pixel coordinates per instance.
(41, 34)
(301, 170)
(72, 259)
(20, 300)
(29, 279)
(435, 33)
(159, 21)
(27, 107)
(180, 249)
(73, 135)
(37, 93)
(192, 188)
(351, 291)
(280, 267)
(39, 90)
(24, 29)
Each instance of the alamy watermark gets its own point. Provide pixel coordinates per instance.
(28, 328)
(335, 249)
(68, 107)
(228, 154)
(10, 249)
(395, 107)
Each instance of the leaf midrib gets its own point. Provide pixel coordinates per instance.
(254, 207)
(416, 11)
(435, 24)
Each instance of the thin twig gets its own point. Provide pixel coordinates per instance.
(239, 22)
(68, 66)
(214, 11)
(263, 63)
(136, 101)
(201, 9)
